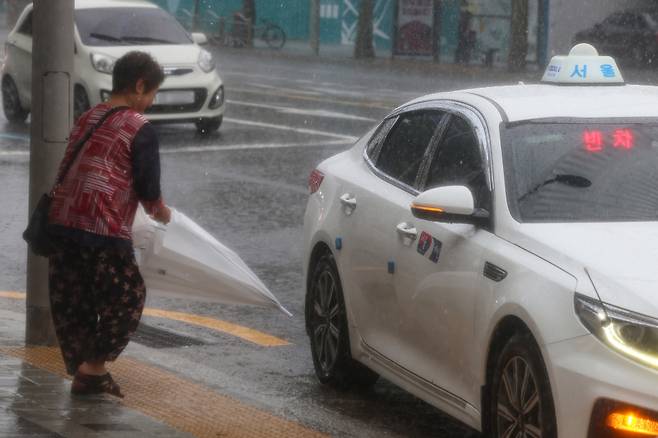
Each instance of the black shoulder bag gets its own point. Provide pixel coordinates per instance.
(36, 235)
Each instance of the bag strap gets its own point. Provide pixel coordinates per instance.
(78, 146)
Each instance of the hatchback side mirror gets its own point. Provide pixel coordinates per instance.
(199, 38)
(452, 204)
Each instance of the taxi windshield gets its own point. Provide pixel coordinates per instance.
(582, 171)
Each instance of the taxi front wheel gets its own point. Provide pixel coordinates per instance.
(327, 328)
(521, 403)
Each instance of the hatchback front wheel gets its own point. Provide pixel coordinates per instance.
(11, 101)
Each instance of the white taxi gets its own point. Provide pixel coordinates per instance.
(493, 251)
(105, 30)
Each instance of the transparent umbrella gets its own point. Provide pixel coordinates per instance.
(183, 260)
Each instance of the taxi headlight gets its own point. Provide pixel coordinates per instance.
(102, 63)
(631, 334)
(205, 61)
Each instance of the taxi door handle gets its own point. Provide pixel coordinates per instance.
(407, 231)
(348, 201)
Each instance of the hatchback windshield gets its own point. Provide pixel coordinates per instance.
(128, 26)
(582, 172)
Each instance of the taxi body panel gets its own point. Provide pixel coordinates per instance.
(428, 327)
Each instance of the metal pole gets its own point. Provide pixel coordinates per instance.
(314, 26)
(195, 17)
(52, 90)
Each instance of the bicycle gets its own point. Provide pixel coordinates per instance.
(238, 32)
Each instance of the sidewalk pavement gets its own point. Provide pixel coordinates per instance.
(35, 400)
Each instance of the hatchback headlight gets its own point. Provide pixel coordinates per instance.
(631, 334)
(205, 61)
(102, 63)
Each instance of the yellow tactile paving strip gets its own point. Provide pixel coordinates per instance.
(177, 402)
(245, 333)
(12, 295)
(239, 331)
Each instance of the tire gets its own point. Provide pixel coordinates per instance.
(80, 102)
(520, 374)
(326, 320)
(208, 126)
(274, 37)
(11, 101)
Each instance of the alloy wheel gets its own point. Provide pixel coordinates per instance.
(519, 404)
(326, 318)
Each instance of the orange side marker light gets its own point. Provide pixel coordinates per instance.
(632, 423)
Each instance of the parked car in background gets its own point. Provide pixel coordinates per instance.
(104, 31)
(630, 35)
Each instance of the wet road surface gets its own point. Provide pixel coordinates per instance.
(246, 185)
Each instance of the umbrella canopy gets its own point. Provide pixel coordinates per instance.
(181, 259)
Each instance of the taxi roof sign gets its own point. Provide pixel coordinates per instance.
(583, 66)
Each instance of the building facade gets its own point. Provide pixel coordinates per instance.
(478, 30)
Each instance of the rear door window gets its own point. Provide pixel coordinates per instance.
(405, 147)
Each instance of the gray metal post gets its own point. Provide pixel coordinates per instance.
(314, 26)
(52, 64)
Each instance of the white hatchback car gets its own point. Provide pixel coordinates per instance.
(104, 31)
(492, 252)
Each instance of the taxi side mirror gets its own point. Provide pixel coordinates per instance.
(199, 38)
(451, 204)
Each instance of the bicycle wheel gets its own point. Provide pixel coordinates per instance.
(274, 36)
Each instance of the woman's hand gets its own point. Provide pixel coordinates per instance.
(162, 215)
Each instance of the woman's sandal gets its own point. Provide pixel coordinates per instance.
(87, 384)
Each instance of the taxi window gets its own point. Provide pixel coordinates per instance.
(582, 172)
(458, 161)
(404, 148)
(377, 140)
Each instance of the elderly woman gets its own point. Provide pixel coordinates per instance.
(96, 291)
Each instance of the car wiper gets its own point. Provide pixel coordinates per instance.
(566, 179)
(145, 39)
(105, 37)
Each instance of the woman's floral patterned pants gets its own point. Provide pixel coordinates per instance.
(96, 297)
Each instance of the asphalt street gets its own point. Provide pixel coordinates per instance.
(247, 186)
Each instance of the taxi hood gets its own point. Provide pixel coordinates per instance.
(171, 54)
(621, 258)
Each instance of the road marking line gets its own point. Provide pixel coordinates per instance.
(12, 136)
(181, 403)
(254, 336)
(305, 112)
(220, 148)
(244, 147)
(364, 104)
(291, 90)
(13, 295)
(244, 333)
(14, 153)
(290, 128)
